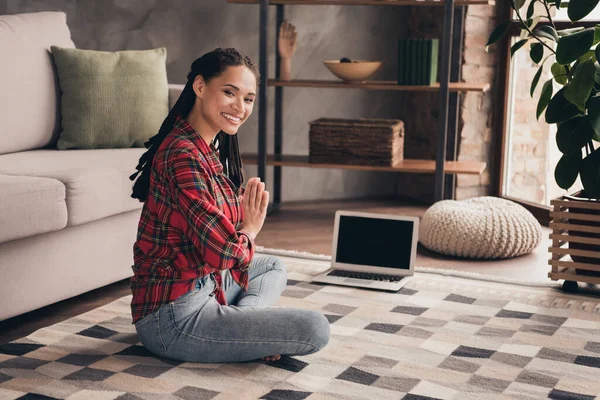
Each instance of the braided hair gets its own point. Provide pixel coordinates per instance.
(209, 66)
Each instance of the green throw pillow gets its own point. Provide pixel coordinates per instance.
(110, 99)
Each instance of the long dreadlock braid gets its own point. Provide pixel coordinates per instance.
(209, 66)
(229, 155)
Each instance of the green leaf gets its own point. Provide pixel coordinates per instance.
(580, 88)
(535, 81)
(567, 169)
(590, 174)
(573, 134)
(497, 34)
(544, 98)
(579, 9)
(557, 3)
(530, 9)
(547, 32)
(519, 4)
(517, 46)
(568, 31)
(597, 74)
(564, 5)
(594, 116)
(559, 72)
(573, 46)
(597, 52)
(589, 55)
(596, 34)
(560, 109)
(537, 52)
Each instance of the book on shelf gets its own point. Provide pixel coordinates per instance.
(413, 58)
(401, 49)
(417, 61)
(420, 64)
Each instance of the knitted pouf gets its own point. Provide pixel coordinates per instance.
(480, 227)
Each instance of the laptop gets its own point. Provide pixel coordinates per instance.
(375, 251)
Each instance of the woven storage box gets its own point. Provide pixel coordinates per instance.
(363, 141)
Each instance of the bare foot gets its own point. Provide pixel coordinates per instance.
(272, 358)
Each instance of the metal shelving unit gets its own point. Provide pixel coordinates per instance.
(445, 167)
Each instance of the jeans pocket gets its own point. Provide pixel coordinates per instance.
(144, 320)
(189, 304)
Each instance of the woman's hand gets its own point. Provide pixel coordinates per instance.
(255, 203)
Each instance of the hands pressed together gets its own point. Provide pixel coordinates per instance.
(254, 203)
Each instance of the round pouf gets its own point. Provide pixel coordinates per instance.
(481, 227)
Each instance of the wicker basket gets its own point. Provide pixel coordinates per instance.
(363, 141)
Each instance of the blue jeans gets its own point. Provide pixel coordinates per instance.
(196, 328)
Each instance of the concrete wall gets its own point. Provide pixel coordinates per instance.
(190, 28)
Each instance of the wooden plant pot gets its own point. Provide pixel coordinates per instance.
(587, 221)
(575, 249)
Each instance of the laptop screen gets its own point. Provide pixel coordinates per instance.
(374, 241)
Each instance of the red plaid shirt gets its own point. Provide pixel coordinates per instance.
(189, 225)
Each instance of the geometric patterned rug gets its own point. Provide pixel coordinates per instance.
(440, 337)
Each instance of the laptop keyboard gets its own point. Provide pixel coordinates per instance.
(365, 275)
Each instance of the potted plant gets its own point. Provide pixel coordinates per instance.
(571, 100)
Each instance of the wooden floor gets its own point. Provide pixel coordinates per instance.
(302, 227)
(309, 227)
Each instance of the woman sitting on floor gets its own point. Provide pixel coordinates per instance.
(200, 294)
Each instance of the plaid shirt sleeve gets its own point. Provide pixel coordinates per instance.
(212, 233)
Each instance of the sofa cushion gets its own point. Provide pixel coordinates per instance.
(97, 181)
(30, 206)
(174, 93)
(111, 99)
(29, 103)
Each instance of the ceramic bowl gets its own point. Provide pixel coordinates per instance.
(354, 71)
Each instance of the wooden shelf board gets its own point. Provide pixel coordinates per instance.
(367, 2)
(590, 205)
(571, 276)
(574, 239)
(574, 252)
(569, 265)
(574, 227)
(381, 85)
(417, 166)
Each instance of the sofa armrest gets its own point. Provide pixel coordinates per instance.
(174, 92)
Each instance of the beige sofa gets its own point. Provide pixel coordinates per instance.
(67, 221)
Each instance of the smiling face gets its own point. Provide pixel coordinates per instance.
(226, 101)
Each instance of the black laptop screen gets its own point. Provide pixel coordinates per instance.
(374, 241)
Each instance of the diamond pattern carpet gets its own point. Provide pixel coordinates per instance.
(440, 337)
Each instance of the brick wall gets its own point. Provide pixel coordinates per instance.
(529, 138)
(476, 110)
